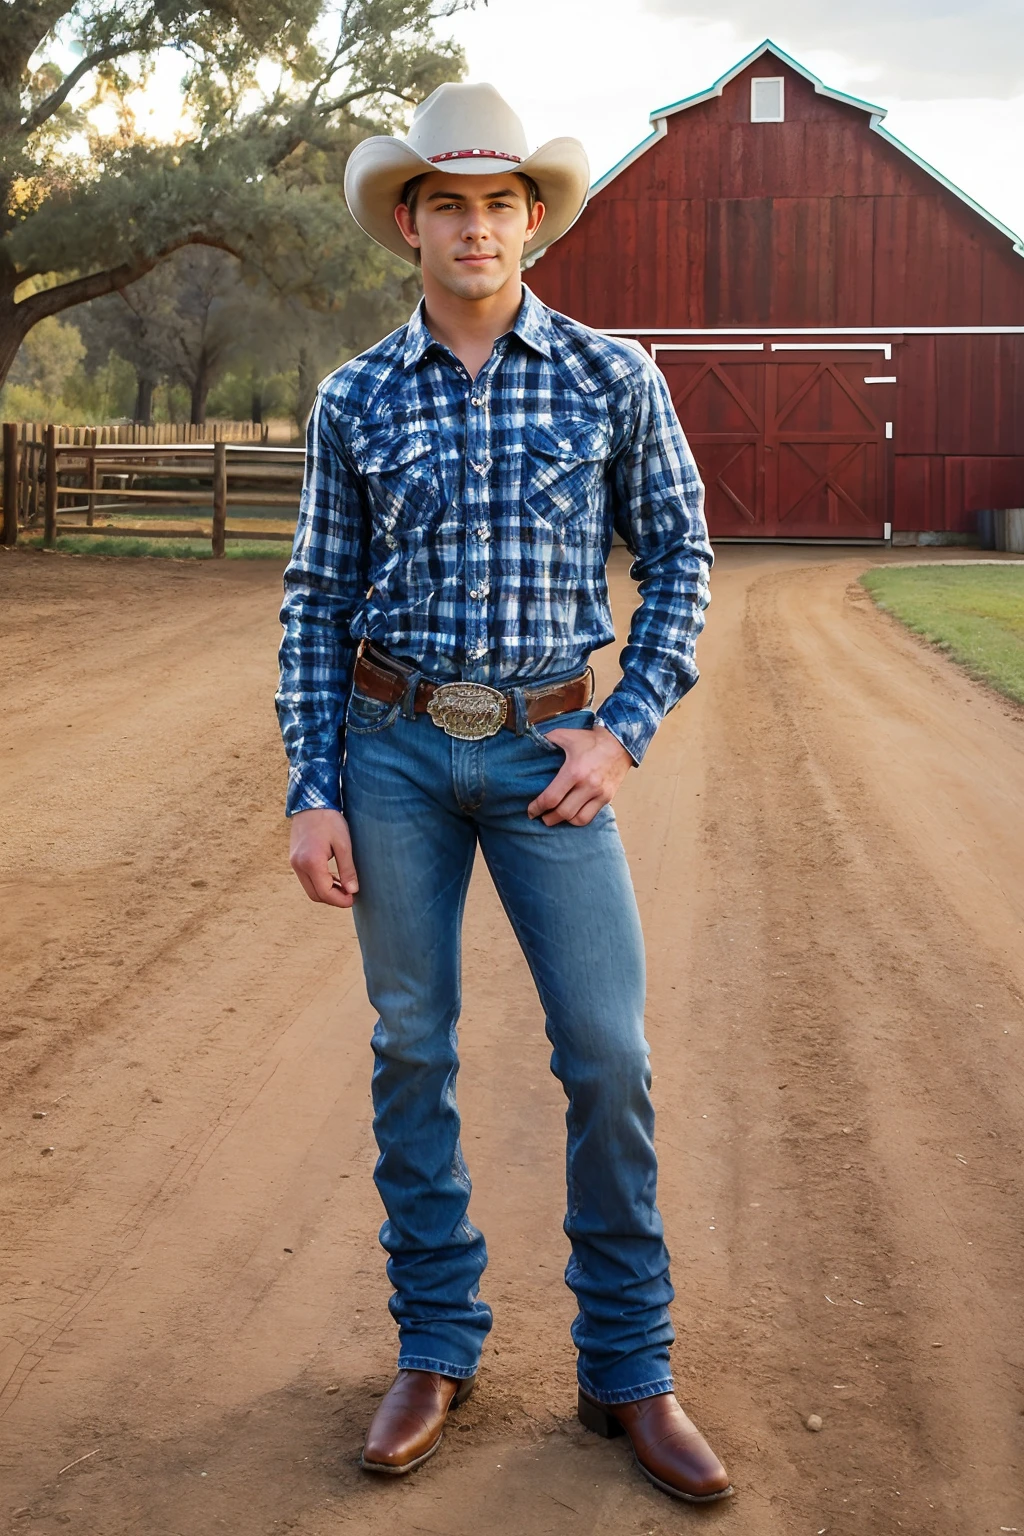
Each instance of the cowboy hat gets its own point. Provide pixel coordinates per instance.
(464, 129)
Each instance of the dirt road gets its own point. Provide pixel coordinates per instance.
(828, 847)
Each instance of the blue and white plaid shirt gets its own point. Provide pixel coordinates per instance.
(465, 524)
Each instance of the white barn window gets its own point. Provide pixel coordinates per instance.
(767, 103)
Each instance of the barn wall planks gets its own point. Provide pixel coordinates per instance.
(818, 221)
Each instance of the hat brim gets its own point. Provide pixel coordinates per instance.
(379, 168)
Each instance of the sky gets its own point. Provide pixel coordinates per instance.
(950, 72)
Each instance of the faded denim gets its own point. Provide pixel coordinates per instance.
(418, 802)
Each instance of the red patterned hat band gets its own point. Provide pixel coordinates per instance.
(475, 154)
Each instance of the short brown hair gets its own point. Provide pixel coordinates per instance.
(411, 190)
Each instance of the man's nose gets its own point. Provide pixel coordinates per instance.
(475, 226)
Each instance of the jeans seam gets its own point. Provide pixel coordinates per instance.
(657, 1388)
(442, 1367)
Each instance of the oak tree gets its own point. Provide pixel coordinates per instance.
(273, 96)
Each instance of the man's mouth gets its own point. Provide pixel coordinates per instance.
(477, 258)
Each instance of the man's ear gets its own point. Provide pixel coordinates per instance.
(533, 223)
(407, 224)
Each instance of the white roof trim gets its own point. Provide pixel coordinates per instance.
(660, 127)
(950, 186)
(766, 47)
(895, 331)
(660, 130)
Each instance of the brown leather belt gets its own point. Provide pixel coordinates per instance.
(468, 711)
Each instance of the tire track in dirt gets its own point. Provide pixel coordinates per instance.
(855, 1087)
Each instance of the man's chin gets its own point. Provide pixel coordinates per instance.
(476, 282)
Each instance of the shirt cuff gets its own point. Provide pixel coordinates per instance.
(630, 722)
(313, 786)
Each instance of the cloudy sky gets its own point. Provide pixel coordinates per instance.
(950, 72)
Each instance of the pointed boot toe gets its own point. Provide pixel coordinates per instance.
(669, 1449)
(408, 1426)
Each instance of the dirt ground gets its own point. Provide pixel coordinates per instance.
(828, 846)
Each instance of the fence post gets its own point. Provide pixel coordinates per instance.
(91, 478)
(34, 491)
(220, 497)
(10, 483)
(50, 504)
(24, 473)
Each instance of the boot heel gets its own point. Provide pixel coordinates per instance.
(593, 1416)
(463, 1391)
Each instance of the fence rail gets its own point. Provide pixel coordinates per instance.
(106, 477)
(215, 430)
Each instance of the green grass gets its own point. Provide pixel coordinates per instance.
(973, 613)
(166, 549)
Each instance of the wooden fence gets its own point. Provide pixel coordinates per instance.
(41, 477)
(213, 431)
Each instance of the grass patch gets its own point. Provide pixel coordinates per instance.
(166, 549)
(973, 613)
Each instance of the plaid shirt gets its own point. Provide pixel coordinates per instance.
(465, 524)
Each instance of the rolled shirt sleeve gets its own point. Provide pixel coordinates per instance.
(324, 582)
(659, 513)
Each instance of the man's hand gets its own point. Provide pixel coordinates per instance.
(316, 837)
(595, 765)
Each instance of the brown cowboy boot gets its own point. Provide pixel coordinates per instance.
(669, 1449)
(409, 1423)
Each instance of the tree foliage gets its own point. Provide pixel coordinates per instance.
(273, 97)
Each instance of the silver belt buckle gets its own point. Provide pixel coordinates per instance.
(468, 711)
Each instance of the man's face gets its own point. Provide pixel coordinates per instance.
(470, 230)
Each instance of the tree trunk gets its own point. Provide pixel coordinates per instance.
(13, 331)
(144, 401)
(309, 378)
(257, 400)
(200, 390)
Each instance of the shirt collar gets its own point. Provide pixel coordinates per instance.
(532, 326)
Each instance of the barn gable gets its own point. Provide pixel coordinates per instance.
(792, 228)
(762, 57)
(823, 219)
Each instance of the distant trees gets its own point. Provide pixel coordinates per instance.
(183, 321)
(273, 97)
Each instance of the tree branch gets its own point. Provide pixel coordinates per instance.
(49, 105)
(79, 290)
(22, 29)
(341, 102)
(298, 135)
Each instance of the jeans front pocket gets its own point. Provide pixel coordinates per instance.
(365, 716)
(572, 719)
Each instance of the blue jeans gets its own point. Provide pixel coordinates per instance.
(417, 802)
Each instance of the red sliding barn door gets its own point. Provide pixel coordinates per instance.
(787, 445)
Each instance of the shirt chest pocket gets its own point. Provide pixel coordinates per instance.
(564, 469)
(399, 468)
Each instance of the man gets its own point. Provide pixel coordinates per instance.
(446, 588)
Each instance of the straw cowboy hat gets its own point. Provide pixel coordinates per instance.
(464, 129)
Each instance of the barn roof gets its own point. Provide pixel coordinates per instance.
(660, 116)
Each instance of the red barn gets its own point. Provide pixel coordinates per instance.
(841, 327)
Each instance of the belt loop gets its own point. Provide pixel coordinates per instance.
(409, 696)
(519, 707)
